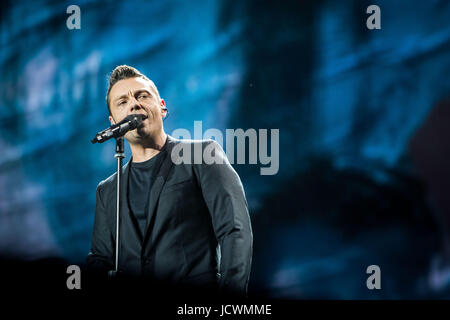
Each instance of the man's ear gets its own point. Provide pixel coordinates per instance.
(111, 120)
(163, 108)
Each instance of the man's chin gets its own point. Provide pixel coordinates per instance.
(135, 136)
(142, 132)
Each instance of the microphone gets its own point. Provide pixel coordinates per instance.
(117, 130)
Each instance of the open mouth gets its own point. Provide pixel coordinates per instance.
(144, 117)
(141, 115)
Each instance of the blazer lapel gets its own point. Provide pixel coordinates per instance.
(162, 171)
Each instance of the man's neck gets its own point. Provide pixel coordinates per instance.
(145, 151)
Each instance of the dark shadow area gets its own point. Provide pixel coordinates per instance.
(327, 226)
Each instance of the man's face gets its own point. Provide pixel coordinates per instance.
(137, 95)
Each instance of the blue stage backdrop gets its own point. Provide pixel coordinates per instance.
(363, 118)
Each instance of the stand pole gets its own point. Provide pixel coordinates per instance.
(119, 156)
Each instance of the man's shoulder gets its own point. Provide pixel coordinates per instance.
(189, 151)
(193, 142)
(110, 181)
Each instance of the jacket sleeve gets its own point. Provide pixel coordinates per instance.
(225, 198)
(100, 258)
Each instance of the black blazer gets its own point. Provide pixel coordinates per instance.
(198, 227)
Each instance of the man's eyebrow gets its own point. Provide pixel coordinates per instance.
(141, 91)
(124, 96)
(121, 97)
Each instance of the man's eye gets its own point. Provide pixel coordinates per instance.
(121, 103)
(143, 96)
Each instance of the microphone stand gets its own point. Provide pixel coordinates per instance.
(117, 131)
(119, 156)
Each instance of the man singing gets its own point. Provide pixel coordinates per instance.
(185, 223)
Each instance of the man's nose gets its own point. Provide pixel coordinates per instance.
(134, 105)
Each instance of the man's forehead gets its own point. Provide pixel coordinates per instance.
(124, 86)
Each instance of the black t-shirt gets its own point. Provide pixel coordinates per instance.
(141, 177)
